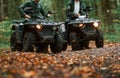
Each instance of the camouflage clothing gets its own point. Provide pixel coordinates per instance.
(31, 8)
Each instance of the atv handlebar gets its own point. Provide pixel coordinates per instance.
(49, 12)
(87, 9)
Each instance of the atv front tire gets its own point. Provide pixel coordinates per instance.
(57, 46)
(99, 39)
(28, 42)
(13, 43)
(74, 41)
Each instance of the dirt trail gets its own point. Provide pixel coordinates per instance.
(89, 63)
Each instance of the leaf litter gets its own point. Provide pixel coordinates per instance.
(89, 63)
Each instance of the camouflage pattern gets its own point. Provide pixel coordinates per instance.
(36, 9)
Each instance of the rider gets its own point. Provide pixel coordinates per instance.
(35, 8)
(29, 10)
(74, 9)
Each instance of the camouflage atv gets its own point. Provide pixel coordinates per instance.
(82, 30)
(36, 34)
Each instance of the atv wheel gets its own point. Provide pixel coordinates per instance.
(64, 41)
(13, 43)
(99, 39)
(28, 42)
(74, 41)
(57, 46)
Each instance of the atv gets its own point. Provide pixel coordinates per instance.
(82, 30)
(36, 34)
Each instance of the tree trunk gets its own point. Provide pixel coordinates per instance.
(106, 7)
(1, 10)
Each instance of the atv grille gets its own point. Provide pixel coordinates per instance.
(89, 27)
(47, 32)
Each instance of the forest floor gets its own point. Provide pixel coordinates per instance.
(90, 63)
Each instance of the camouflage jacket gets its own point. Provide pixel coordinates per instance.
(31, 8)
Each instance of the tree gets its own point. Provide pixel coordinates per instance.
(60, 7)
(1, 10)
(102, 9)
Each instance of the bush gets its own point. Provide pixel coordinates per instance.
(5, 33)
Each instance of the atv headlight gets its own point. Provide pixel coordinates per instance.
(81, 25)
(96, 24)
(39, 27)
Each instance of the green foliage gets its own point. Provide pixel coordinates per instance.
(116, 21)
(46, 5)
(5, 33)
(116, 12)
(112, 34)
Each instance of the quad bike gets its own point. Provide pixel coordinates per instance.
(36, 34)
(82, 30)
